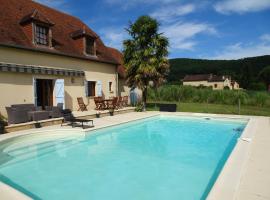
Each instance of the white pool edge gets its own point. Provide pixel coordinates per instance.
(229, 178)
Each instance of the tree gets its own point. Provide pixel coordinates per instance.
(145, 55)
(264, 75)
(246, 77)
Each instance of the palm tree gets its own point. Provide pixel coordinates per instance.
(145, 55)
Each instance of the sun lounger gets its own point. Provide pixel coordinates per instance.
(73, 121)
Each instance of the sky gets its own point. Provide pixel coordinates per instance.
(207, 29)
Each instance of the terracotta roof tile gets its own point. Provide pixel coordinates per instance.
(196, 77)
(205, 77)
(119, 57)
(11, 31)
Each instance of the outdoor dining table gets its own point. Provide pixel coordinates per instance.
(107, 102)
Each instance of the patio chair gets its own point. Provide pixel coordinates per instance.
(99, 103)
(125, 101)
(120, 102)
(113, 103)
(73, 121)
(82, 105)
(16, 116)
(54, 111)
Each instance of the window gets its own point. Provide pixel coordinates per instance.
(110, 86)
(42, 35)
(91, 88)
(90, 46)
(215, 85)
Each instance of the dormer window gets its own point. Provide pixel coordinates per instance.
(90, 46)
(85, 41)
(42, 35)
(37, 28)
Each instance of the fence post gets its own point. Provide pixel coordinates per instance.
(239, 106)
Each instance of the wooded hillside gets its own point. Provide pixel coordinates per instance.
(245, 71)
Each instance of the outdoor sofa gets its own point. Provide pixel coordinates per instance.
(21, 113)
(18, 113)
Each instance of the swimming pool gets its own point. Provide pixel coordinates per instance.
(162, 157)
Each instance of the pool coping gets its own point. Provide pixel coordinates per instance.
(228, 181)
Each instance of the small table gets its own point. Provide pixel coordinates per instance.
(38, 115)
(107, 103)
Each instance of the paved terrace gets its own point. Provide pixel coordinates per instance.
(245, 176)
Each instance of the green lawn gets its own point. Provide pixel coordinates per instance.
(217, 108)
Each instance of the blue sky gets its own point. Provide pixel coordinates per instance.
(210, 29)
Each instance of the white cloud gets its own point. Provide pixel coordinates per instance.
(265, 38)
(182, 34)
(168, 13)
(240, 50)
(57, 4)
(241, 6)
(52, 3)
(126, 4)
(113, 37)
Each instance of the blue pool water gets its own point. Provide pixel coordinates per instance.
(159, 158)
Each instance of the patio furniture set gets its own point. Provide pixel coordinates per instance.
(112, 103)
(105, 104)
(21, 113)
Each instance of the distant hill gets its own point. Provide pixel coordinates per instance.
(245, 71)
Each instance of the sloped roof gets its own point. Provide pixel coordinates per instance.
(197, 77)
(204, 77)
(119, 57)
(37, 16)
(12, 12)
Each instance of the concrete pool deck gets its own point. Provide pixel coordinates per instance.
(245, 176)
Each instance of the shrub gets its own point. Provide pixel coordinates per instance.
(261, 98)
(257, 86)
(182, 93)
(139, 108)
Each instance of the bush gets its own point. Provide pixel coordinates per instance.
(139, 108)
(3, 123)
(176, 93)
(258, 86)
(261, 98)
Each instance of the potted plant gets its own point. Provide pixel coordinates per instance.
(3, 123)
(98, 114)
(111, 111)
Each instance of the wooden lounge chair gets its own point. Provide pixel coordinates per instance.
(73, 121)
(82, 105)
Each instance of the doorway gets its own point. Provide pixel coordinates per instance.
(44, 92)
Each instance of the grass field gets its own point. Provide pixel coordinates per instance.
(216, 108)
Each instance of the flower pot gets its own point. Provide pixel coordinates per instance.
(97, 115)
(2, 128)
